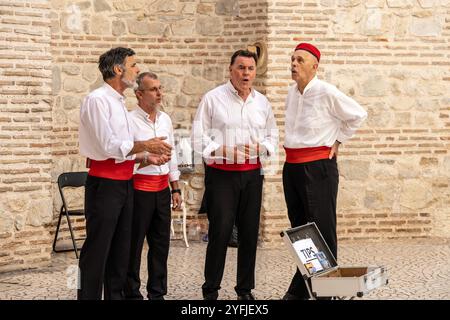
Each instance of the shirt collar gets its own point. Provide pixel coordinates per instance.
(113, 92)
(230, 87)
(145, 115)
(309, 85)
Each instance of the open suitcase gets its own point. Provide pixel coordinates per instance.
(316, 262)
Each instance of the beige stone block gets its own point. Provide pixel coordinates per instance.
(345, 22)
(90, 72)
(209, 26)
(17, 204)
(402, 119)
(183, 101)
(328, 3)
(374, 3)
(348, 3)
(100, 24)
(428, 3)
(415, 194)
(374, 86)
(166, 6)
(372, 23)
(127, 5)
(426, 119)
(214, 73)
(118, 28)
(195, 86)
(59, 116)
(384, 171)
(400, 72)
(227, 7)
(58, 4)
(400, 3)
(56, 80)
(197, 182)
(400, 103)
(445, 169)
(380, 196)
(71, 102)
(204, 8)
(71, 19)
(378, 115)
(144, 27)
(350, 196)
(170, 84)
(101, 5)
(6, 221)
(20, 221)
(183, 28)
(354, 169)
(413, 88)
(408, 169)
(431, 26)
(72, 70)
(427, 104)
(97, 84)
(75, 85)
(41, 213)
(189, 8)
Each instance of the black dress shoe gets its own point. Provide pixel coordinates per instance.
(290, 296)
(246, 296)
(210, 296)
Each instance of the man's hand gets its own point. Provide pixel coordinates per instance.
(158, 146)
(252, 151)
(176, 201)
(154, 159)
(334, 150)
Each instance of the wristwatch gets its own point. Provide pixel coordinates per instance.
(175, 191)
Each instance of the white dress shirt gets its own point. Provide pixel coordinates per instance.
(145, 129)
(320, 116)
(224, 118)
(105, 130)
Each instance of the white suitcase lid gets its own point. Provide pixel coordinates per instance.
(313, 255)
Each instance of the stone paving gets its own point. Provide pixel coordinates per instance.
(417, 270)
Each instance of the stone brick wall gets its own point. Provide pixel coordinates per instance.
(391, 56)
(26, 130)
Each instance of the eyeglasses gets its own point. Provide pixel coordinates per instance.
(153, 89)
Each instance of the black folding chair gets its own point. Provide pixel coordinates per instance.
(69, 179)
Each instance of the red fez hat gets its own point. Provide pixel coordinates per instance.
(310, 48)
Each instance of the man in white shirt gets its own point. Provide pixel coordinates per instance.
(319, 118)
(107, 141)
(152, 196)
(233, 127)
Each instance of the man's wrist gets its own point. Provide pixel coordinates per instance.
(175, 191)
(145, 158)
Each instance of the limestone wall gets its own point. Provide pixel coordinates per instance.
(393, 58)
(390, 55)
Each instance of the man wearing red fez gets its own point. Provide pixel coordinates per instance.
(319, 118)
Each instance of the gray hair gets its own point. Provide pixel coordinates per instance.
(141, 77)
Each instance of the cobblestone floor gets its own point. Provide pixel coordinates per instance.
(417, 270)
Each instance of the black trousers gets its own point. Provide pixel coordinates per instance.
(151, 219)
(310, 191)
(104, 255)
(233, 196)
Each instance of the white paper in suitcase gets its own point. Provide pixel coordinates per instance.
(316, 262)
